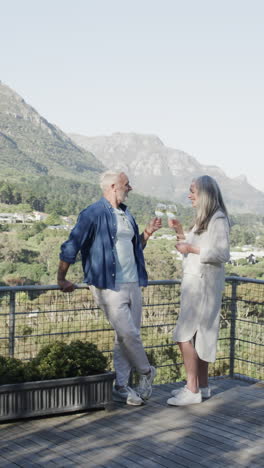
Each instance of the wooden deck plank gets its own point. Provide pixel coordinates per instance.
(224, 431)
(233, 423)
(202, 457)
(184, 454)
(163, 454)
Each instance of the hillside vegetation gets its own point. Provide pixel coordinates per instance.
(43, 169)
(31, 145)
(29, 252)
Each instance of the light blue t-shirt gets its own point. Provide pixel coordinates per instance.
(126, 269)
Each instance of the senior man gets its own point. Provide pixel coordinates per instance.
(113, 264)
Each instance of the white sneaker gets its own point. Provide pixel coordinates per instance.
(185, 397)
(127, 395)
(145, 384)
(205, 391)
(177, 390)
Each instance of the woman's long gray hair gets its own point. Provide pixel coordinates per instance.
(210, 200)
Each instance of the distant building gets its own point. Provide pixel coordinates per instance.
(40, 216)
(60, 227)
(7, 218)
(13, 218)
(67, 220)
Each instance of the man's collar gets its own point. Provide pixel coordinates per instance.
(108, 204)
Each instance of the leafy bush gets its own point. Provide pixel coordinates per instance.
(11, 370)
(55, 361)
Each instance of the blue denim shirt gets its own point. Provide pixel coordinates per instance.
(94, 235)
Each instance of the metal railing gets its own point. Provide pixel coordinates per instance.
(31, 316)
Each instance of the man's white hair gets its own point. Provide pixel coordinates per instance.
(108, 178)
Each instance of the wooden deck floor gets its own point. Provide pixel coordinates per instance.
(224, 431)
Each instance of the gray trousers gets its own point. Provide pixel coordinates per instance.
(123, 308)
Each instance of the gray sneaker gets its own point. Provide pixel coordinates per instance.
(206, 392)
(127, 395)
(144, 388)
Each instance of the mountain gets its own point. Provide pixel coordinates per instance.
(166, 173)
(29, 144)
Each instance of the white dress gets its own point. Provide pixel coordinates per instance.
(202, 287)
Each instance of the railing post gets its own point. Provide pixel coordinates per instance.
(12, 322)
(233, 328)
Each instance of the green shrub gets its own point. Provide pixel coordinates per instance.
(11, 370)
(55, 361)
(86, 358)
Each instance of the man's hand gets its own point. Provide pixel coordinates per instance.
(153, 225)
(66, 286)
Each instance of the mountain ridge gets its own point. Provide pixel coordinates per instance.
(157, 170)
(30, 146)
(27, 139)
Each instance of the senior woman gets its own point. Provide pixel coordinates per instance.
(205, 250)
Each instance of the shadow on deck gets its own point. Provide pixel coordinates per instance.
(226, 430)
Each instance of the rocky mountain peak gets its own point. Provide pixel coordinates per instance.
(157, 170)
(242, 179)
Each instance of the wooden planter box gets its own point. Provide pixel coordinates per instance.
(42, 398)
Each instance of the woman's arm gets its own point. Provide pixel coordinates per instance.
(217, 250)
(176, 225)
(185, 248)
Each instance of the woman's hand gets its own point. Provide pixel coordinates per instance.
(176, 225)
(185, 248)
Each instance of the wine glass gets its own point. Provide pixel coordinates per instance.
(171, 211)
(160, 210)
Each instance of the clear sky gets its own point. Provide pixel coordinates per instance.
(188, 71)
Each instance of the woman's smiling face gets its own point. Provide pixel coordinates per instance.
(193, 195)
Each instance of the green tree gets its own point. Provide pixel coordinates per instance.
(53, 219)
(6, 194)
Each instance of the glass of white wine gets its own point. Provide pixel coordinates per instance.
(160, 210)
(171, 211)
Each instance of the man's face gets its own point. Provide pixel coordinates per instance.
(122, 188)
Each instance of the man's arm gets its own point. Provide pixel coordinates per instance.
(65, 285)
(152, 226)
(82, 231)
